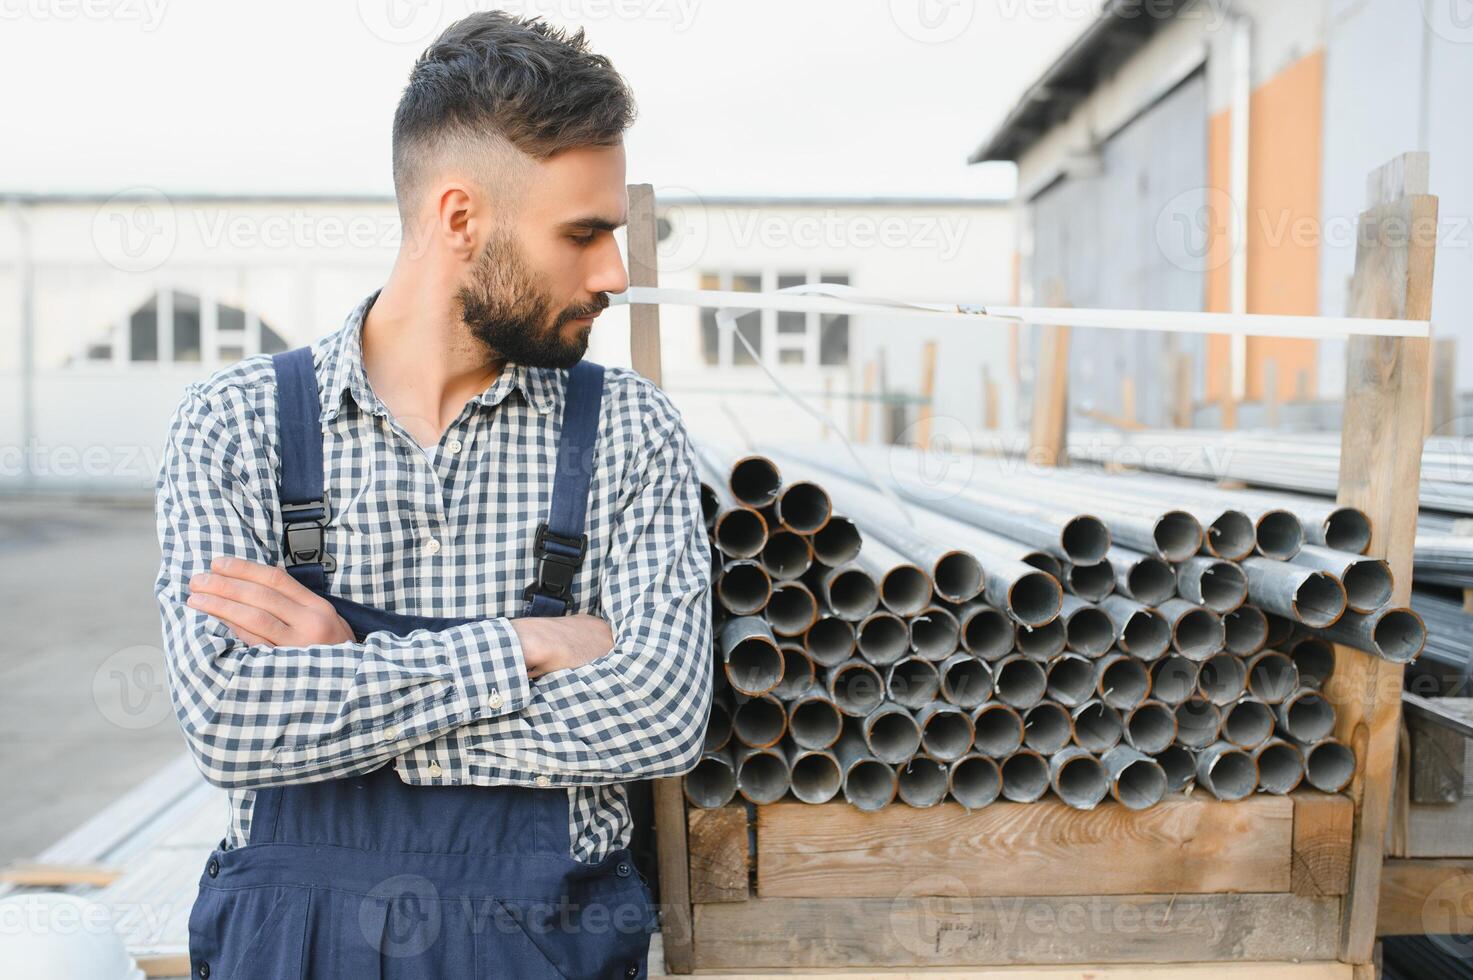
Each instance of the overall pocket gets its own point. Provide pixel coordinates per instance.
(251, 932)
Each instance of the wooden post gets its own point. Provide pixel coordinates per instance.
(928, 392)
(989, 400)
(866, 397)
(1049, 432)
(1444, 403)
(669, 801)
(1380, 472)
(1182, 395)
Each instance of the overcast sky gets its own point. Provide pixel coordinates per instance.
(784, 97)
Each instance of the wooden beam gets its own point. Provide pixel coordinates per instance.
(915, 929)
(1049, 430)
(718, 854)
(928, 394)
(1322, 830)
(644, 261)
(1380, 472)
(1183, 845)
(1126, 971)
(668, 798)
(1426, 898)
(51, 875)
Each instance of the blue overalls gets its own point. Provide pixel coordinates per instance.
(369, 877)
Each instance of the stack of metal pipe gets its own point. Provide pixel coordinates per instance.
(885, 635)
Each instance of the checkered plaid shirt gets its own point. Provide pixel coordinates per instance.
(452, 537)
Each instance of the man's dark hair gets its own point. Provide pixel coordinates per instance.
(492, 79)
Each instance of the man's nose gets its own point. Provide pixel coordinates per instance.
(608, 274)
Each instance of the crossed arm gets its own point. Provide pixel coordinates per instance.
(271, 688)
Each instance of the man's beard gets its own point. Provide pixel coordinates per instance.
(504, 309)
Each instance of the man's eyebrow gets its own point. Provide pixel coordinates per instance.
(594, 223)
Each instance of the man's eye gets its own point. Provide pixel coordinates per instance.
(582, 239)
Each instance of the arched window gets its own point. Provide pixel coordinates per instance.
(176, 327)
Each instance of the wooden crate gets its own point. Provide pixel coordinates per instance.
(1292, 884)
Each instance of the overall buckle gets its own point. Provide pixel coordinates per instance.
(305, 528)
(555, 569)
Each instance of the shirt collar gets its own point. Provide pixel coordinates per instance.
(539, 387)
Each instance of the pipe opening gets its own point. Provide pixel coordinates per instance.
(830, 641)
(1042, 643)
(1081, 782)
(1024, 777)
(1307, 717)
(1085, 540)
(711, 783)
(1046, 728)
(762, 777)
(1223, 678)
(797, 674)
(816, 778)
(966, 682)
(947, 734)
(905, 590)
(1179, 765)
(1347, 529)
(1224, 587)
(1097, 727)
(1018, 682)
(1231, 536)
(838, 542)
(1151, 581)
(710, 504)
(1248, 723)
(1090, 631)
(754, 666)
(1178, 535)
(1146, 635)
(804, 507)
(718, 726)
(958, 576)
(1314, 660)
(740, 533)
(852, 593)
(1245, 630)
(1174, 679)
(760, 722)
(869, 785)
(1150, 727)
(1034, 598)
(1197, 722)
(858, 689)
(988, 633)
(892, 736)
(975, 781)
(883, 638)
(1367, 584)
(922, 782)
(1141, 784)
(998, 730)
(1071, 680)
(934, 634)
(755, 481)
(791, 609)
(1272, 677)
(1046, 563)
(743, 587)
(1198, 634)
(1124, 683)
(1091, 582)
(1319, 600)
(815, 723)
(1328, 766)
(786, 554)
(913, 682)
(1229, 775)
(1399, 635)
(1280, 767)
(1279, 535)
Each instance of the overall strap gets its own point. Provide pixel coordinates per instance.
(561, 541)
(299, 443)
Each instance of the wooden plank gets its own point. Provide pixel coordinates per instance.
(915, 930)
(1440, 830)
(928, 395)
(1407, 174)
(644, 262)
(1426, 898)
(1183, 845)
(1323, 823)
(669, 800)
(1438, 756)
(1380, 472)
(1049, 429)
(1126, 971)
(718, 854)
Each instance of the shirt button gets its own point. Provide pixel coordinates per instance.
(434, 769)
(390, 733)
(622, 869)
(454, 445)
(432, 546)
(495, 700)
(632, 970)
(214, 869)
(204, 971)
(543, 781)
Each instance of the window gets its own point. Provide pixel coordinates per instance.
(175, 326)
(779, 336)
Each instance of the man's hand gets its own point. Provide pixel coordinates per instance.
(264, 606)
(552, 643)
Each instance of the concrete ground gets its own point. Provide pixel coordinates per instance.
(84, 702)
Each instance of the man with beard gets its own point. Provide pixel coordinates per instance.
(434, 588)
